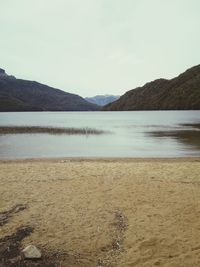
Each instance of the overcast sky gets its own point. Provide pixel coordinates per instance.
(91, 47)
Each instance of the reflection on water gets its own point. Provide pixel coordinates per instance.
(189, 138)
(131, 134)
(195, 126)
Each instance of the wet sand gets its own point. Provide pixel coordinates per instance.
(105, 212)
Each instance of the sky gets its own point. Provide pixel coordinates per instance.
(91, 47)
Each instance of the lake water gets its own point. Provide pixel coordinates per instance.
(130, 134)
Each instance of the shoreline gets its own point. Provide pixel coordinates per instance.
(103, 159)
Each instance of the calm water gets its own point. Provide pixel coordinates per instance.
(132, 134)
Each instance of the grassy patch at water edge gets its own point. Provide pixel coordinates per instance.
(48, 130)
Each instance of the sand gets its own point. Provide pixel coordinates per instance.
(114, 212)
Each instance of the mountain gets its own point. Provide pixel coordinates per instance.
(23, 95)
(180, 93)
(102, 100)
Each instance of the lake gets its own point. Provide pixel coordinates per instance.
(127, 134)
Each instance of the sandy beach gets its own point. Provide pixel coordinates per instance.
(103, 212)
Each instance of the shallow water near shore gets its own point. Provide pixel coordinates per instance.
(125, 134)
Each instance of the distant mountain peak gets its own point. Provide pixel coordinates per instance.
(102, 100)
(3, 74)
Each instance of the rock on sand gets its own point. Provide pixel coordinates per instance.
(31, 252)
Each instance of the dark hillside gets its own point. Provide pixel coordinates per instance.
(23, 95)
(180, 93)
